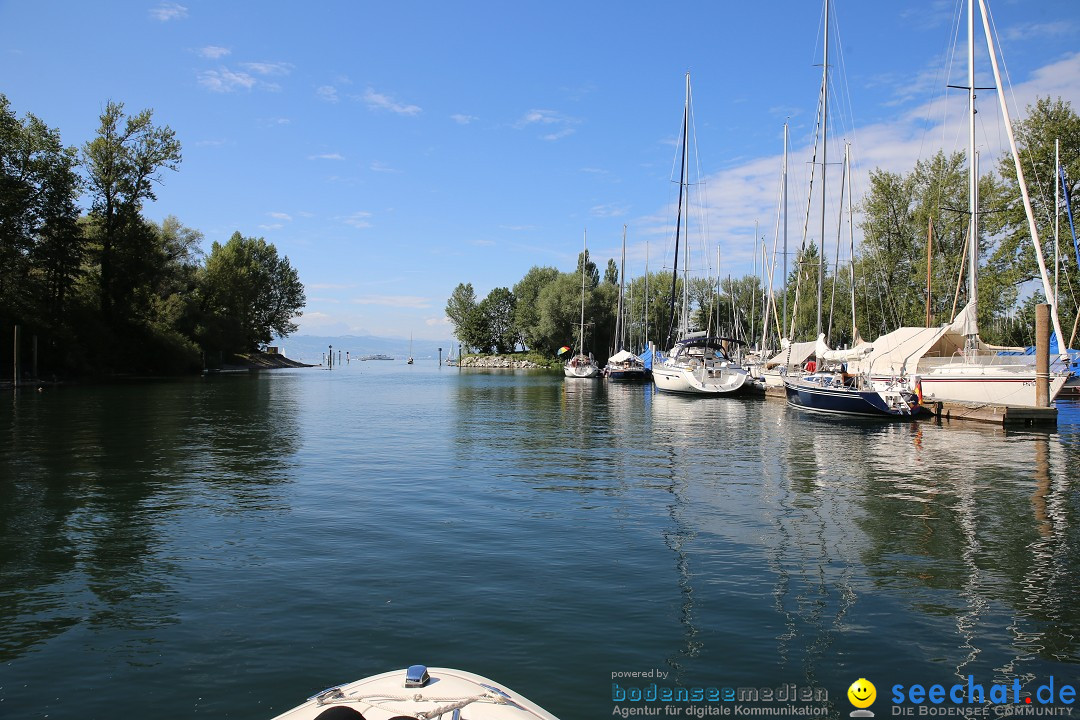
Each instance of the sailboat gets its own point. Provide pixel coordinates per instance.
(623, 364)
(951, 362)
(582, 365)
(410, 360)
(697, 363)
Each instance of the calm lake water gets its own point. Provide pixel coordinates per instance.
(227, 546)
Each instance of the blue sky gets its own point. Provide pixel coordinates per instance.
(394, 149)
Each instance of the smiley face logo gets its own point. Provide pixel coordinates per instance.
(862, 693)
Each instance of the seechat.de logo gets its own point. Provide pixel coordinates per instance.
(862, 694)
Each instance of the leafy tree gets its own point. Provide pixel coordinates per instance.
(1013, 260)
(592, 274)
(40, 243)
(461, 303)
(249, 294)
(611, 274)
(498, 309)
(527, 311)
(123, 164)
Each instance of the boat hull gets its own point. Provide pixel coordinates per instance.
(581, 366)
(386, 697)
(823, 398)
(702, 380)
(982, 384)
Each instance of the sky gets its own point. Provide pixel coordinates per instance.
(392, 150)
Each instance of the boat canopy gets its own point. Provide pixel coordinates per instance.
(622, 356)
(792, 355)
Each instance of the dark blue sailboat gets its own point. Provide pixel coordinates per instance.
(841, 394)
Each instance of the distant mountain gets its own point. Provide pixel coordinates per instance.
(311, 348)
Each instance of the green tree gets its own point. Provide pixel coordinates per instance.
(459, 308)
(249, 294)
(40, 243)
(611, 274)
(124, 163)
(1013, 260)
(527, 311)
(498, 307)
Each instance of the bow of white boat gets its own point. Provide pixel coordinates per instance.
(419, 693)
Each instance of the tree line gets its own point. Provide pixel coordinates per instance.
(542, 311)
(103, 288)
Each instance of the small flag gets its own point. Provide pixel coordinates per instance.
(564, 348)
(918, 390)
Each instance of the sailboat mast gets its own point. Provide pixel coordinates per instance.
(973, 177)
(824, 158)
(584, 262)
(678, 215)
(785, 277)
(1032, 227)
(620, 326)
(851, 243)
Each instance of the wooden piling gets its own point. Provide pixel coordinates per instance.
(1042, 355)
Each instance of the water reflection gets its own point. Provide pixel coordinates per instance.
(97, 479)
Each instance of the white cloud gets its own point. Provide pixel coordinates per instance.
(327, 93)
(358, 220)
(379, 101)
(168, 11)
(381, 167)
(225, 80)
(327, 156)
(213, 52)
(548, 118)
(610, 210)
(271, 226)
(441, 321)
(1040, 31)
(280, 216)
(268, 68)
(462, 119)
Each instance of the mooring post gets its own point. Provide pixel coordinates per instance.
(18, 332)
(1042, 355)
(440, 357)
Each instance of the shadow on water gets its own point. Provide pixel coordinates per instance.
(94, 479)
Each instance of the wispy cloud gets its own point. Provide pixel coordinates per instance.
(327, 93)
(225, 80)
(609, 211)
(327, 156)
(271, 226)
(268, 68)
(168, 11)
(280, 216)
(380, 101)
(462, 119)
(213, 52)
(381, 167)
(1040, 31)
(563, 123)
(400, 301)
(358, 220)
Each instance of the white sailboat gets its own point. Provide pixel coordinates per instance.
(951, 361)
(582, 365)
(410, 360)
(623, 364)
(697, 363)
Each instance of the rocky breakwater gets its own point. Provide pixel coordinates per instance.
(500, 362)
